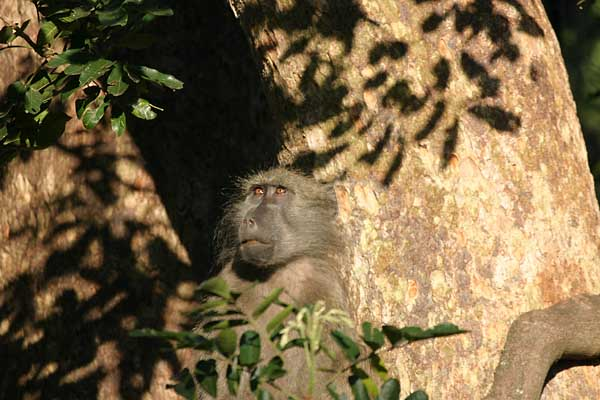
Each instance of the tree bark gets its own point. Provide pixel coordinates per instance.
(464, 187)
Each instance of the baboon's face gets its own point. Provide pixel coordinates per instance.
(265, 225)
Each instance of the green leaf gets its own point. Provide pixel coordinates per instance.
(373, 337)
(156, 76)
(16, 91)
(71, 56)
(75, 14)
(216, 286)
(7, 34)
(263, 395)
(47, 33)
(226, 342)
(445, 329)
(160, 12)
(272, 371)
(359, 390)
(413, 333)
(279, 318)
(33, 101)
(418, 395)
(390, 390)
(223, 324)
(94, 70)
(51, 128)
(186, 386)
(249, 348)
(143, 110)
(378, 366)
(233, 379)
(206, 375)
(116, 86)
(209, 305)
(118, 123)
(115, 17)
(93, 112)
(348, 346)
(267, 301)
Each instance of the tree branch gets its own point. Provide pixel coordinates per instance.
(537, 339)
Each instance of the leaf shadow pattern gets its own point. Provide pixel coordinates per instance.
(101, 267)
(326, 95)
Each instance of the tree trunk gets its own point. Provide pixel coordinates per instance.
(100, 235)
(464, 190)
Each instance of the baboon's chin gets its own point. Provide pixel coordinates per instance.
(256, 253)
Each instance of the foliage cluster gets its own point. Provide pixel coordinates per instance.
(84, 46)
(221, 321)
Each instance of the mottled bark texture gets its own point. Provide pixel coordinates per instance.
(464, 187)
(100, 235)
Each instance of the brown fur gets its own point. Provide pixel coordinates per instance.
(312, 247)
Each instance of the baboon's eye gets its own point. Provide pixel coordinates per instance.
(258, 190)
(280, 190)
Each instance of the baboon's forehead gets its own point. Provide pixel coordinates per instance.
(280, 177)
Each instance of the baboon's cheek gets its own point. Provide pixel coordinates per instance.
(258, 254)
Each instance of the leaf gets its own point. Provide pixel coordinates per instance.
(348, 346)
(160, 12)
(143, 110)
(413, 333)
(116, 86)
(359, 390)
(267, 301)
(75, 14)
(71, 56)
(33, 101)
(418, 395)
(115, 17)
(51, 128)
(445, 329)
(233, 379)
(186, 386)
(93, 112)
(249, 348)
(263, 395)
(206, 375)
(16, 91)
(216, 286)
(378, 366)
(373, 337)
(279, 318)
(226, 342)
(156, 76)
(223, 324)
(118, 123)
(273, 370)
(94, 69)
(390, 390)
(7, 34)
(47, 33)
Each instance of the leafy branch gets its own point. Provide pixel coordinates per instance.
(221, 320)
(85, 47)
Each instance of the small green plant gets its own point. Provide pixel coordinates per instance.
(84, 47)
(222, 321)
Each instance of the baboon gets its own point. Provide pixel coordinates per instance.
(280, 231)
